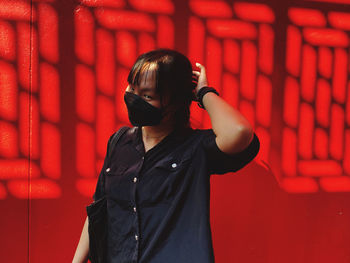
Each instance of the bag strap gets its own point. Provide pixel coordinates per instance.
(114, 141)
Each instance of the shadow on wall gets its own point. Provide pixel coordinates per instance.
(243, 205)
(255, 221)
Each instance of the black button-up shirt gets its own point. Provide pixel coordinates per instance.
(158, 201)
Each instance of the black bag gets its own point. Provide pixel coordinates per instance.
(97, 218)
(97, 228)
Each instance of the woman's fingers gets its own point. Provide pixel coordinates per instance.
(197, 73)
(199, 65)
(195, 76)
(202, 68)
(202, 78)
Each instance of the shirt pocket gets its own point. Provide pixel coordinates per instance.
(171, 166)
(115, 171)
(164, 181)
(114, 177)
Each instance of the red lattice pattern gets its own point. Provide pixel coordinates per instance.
(234, 40)
(235, 43)
(316, 113)
(29, 100)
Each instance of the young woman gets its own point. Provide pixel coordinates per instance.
(157, 180)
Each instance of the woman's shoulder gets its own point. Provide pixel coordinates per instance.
(122, 135)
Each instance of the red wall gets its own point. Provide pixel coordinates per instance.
(284, 65)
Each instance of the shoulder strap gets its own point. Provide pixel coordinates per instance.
(114, 142)
(115, 139)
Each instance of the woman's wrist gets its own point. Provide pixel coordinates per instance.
(201, 92)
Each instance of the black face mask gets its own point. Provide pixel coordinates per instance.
(140, 112)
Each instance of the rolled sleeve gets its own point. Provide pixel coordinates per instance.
(220, 162)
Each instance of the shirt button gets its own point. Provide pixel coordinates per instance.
(174, 165)
(108, 169)
(136, 237)
(135, 179)
(134, 209)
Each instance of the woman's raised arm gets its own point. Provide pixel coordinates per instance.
(233, 131)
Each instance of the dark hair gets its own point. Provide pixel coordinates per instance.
(173, 79)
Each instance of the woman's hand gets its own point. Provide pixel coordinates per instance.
(201, 77)
(233, 131)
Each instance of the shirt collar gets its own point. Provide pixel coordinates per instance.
(176, 136)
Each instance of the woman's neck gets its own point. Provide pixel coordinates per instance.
(154, 134)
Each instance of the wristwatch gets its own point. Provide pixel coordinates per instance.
(202, 92)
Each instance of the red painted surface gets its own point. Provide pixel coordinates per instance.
(63, 70)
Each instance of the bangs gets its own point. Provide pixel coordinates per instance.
(139, 69)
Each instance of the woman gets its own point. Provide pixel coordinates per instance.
(157, 179)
